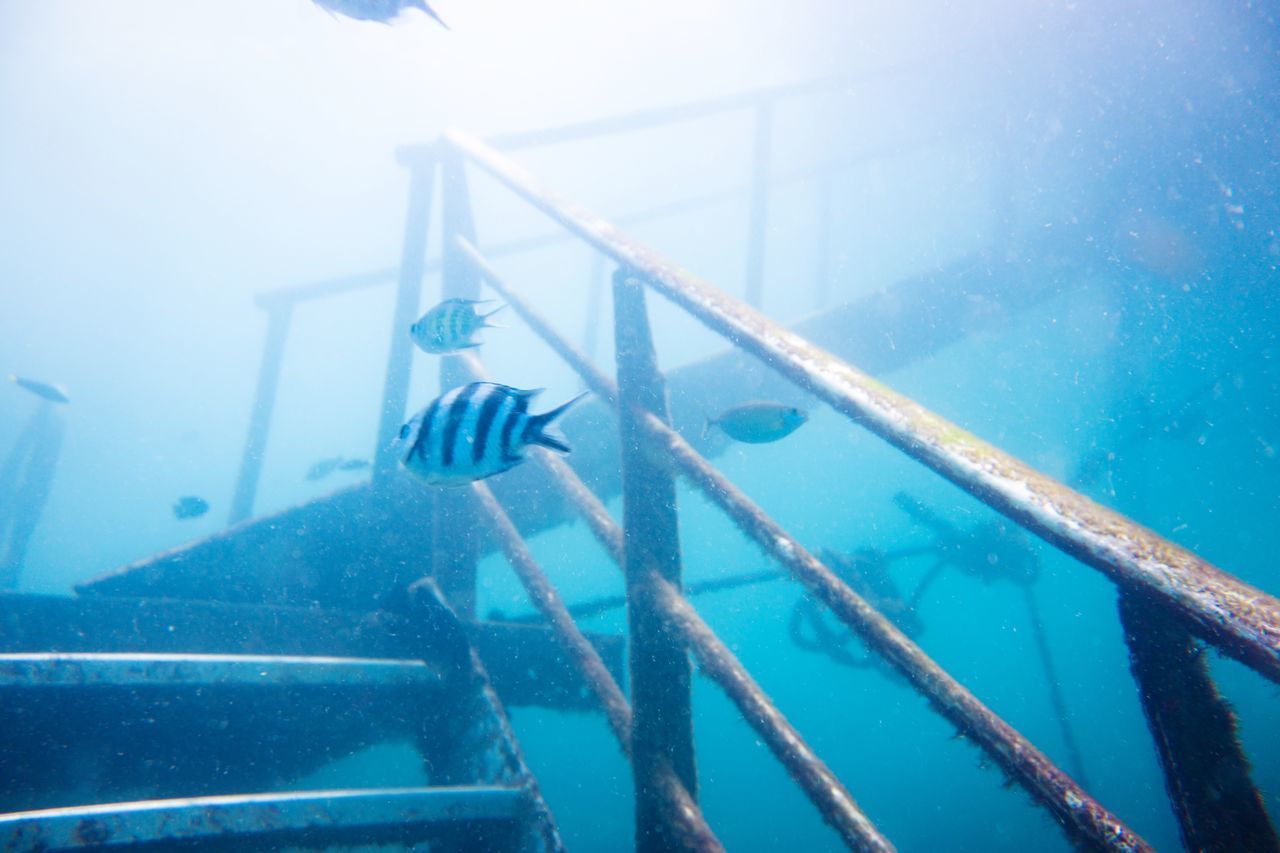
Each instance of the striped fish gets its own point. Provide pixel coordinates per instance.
(474, 432)
(451, 325)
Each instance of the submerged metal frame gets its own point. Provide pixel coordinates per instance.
(1083, 817)
(1240, 620)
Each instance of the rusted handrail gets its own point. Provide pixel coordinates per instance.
(1082, 816)
(690, 824)
(1240, 619)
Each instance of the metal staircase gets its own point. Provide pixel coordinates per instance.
(293, 639)
(170, 704)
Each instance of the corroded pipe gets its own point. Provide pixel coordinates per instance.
(686, 822)
(823, 788)
(1083, 817)
(1240, 619)
(692, 830)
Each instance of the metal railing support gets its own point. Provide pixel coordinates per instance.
(1238, 618)
(1082, 817)
(455, 548)
(264, 401)
(1205, 769)
(660, 671)
(759, 213)
(687, 823)
(826, 791)
(413, 254)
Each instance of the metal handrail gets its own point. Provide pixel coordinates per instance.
(1075, 809)
(1240, 619)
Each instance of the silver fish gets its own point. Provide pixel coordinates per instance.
(383, 11)
(474, 432)
(758, 422)
(450, 326)
(53, 393)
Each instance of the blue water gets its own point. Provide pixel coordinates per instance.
(162, 165)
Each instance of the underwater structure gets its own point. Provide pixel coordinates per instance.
(300, 636)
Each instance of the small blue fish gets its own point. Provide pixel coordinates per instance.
(474, 432)
(450, 326)
(758, 422)
(190, 506)
(52, 393)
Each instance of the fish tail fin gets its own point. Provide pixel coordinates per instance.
(484, 318)
(535, 429)
(422, 4)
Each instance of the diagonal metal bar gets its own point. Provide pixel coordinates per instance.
(827, 793)
(688, 824)
(690, 827)
(1238, 618)
(1082, 816)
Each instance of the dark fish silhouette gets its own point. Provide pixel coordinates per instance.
(53, 393)
(758, 422)
(383, 11)
(474, 432)
(325, 467)
(190, 506)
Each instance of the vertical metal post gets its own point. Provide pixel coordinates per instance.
(264, 401)
(26, 479)
(455, 550)
(413, 254)
(662, 730)
(1205, 770)
(759, 216)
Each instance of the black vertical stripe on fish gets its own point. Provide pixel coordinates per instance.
(517, 414)
(423, 445)
(488, 411)
(453, 422)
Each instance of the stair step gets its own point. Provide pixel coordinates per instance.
(302, 818)
(135, 669)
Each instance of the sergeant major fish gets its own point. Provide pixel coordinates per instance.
(53, 393)
(758, 422)
(450, 326)
(474, 432)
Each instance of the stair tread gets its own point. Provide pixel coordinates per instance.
(131, 669)
(399, 812)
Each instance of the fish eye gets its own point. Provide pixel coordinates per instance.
(404, 432)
